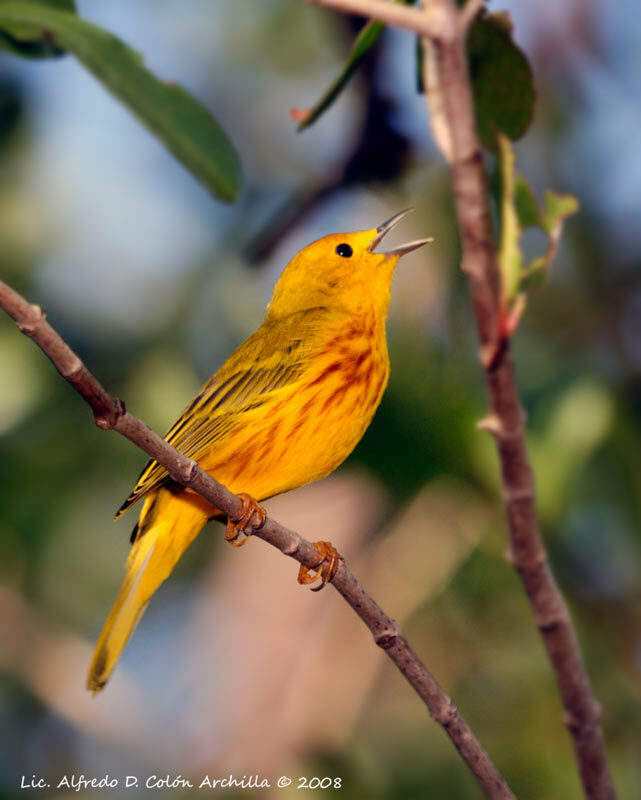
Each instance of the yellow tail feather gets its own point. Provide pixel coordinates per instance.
(168, 524)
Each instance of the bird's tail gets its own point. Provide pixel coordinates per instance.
(168, 524)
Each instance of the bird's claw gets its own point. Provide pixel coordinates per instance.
(250, 519)
(325, 569)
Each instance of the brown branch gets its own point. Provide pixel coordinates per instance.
(110, 413)
(446, 31)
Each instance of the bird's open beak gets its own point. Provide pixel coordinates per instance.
(387, 226)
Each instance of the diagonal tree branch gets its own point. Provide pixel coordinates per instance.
(445, 27)
(425, 24)
(110, 413)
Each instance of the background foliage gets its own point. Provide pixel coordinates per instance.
(153, 282)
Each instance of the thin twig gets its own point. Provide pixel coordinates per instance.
(446, 29)
(110, 413)
(426, 24)
(527, 552)
(468, 12)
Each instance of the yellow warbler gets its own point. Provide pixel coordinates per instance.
(286, 408)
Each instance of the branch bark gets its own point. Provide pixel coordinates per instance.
(110, 413)
(445, 27)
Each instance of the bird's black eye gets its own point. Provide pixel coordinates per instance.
(344, 250)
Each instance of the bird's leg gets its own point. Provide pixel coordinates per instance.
(238, 524)
(325, 569)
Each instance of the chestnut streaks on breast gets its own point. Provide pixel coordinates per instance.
(363, 364)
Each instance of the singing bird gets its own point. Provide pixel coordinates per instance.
(286, 408)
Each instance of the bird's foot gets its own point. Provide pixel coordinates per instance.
(250, 519)
(325, 569)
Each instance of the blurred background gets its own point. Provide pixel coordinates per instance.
(235, 668)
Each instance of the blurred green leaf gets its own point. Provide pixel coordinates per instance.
(556, 207)
(20, 41)
(526, 204)
(364, 42)
(61, 5)
(520, 210)
(534, 276)
(366, 39)
(579, 422)
(510, 257)
(502, 82)
(186, 128)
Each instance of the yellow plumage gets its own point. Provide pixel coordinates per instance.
(286, 408)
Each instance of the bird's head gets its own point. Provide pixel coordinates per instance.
(342, 271)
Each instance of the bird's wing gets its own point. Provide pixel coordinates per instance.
(270, 359)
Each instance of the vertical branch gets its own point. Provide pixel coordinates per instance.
(444, 28)
(506, 419)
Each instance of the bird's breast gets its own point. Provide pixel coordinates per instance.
(315, 423)
(334, 402)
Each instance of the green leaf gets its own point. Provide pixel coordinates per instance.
(526, 204)
(534, 275)
(519, 209)
(186, 128)
(21, 42)
(556, 207)
(510, 257)
(366, 39)
(364, 42)
(502, 82)
(61, 5)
